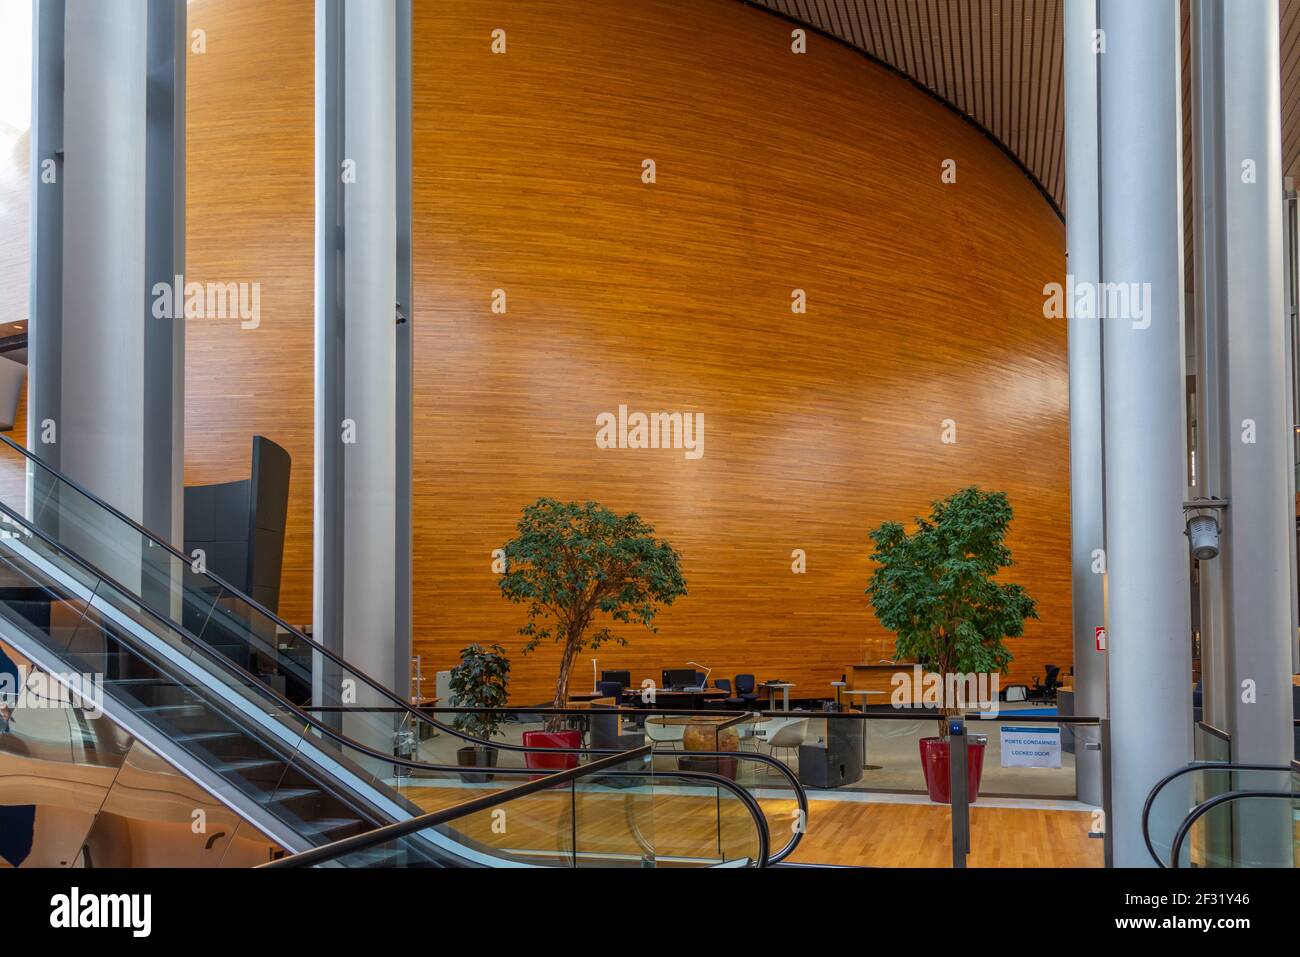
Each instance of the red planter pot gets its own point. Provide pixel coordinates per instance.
(551, 739)
(937, 769)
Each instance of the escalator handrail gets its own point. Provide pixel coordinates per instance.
(1188, 769)
(367, 840)
(1202, 809)
(800, 795)
(267, 691)
(751, 803)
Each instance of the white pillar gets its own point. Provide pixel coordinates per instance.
(1256, 441)
(106, 378)
(1087, 527)
(362, 463)
(1146, 477)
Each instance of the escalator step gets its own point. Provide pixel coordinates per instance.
(375, 857)
(137, 682)
(175, 710)
(324, 826)
(240, 765)
(207, 737)
(285, 795)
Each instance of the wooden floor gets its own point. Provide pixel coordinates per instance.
(919, 835)
(838, 832)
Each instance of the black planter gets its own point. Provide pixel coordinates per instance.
(473, 757)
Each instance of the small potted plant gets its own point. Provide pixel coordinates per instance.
(937, 590)
(480, 681)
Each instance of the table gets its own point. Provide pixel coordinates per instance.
(772, 688)
(864, 693)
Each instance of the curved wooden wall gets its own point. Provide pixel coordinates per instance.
(775, 171)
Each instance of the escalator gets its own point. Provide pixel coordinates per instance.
(286, 734)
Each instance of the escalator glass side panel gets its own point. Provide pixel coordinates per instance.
(180, 589)
(156, 817)
(1185, 793)
(1245, 832)
(58, 762)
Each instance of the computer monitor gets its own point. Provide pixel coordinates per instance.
(679, 678)
(622, 677)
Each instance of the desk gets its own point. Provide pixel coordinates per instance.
(877, 677)
(663, 698)
(772, 688)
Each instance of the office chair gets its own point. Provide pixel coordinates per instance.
(1046, 690)
(611, 689)
(745, 694)
(723, 684)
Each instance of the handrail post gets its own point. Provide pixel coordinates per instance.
(959, 804)
(1107, 845)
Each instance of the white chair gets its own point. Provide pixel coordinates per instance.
(664, 737)
(785, 734)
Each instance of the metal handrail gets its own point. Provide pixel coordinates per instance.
(1188, 769)
(1202, 809)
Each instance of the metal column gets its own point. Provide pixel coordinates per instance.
(1255, 437)
(362, 580)
(1087, 516)
(1209, 293)
(1146, 473)
(106, 382)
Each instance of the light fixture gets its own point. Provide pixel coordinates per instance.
(1203, 527)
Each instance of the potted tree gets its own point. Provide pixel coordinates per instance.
(937, 590)
(479, 681)
(580, 568)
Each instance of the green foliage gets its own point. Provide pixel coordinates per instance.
(936, 588)
(480, 681)
(580, 568)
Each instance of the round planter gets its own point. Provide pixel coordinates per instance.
(936, 768)
(702, 734)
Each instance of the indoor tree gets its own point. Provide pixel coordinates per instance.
(581, 568)
(937, 589)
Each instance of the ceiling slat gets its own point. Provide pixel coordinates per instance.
(999, 62)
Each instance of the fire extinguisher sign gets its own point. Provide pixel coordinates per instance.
(1100, 634)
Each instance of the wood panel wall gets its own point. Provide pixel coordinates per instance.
(775, 171)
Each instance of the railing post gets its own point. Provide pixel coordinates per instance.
(959, 803)
(1108, 850)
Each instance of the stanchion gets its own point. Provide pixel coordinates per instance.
(960, 805)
